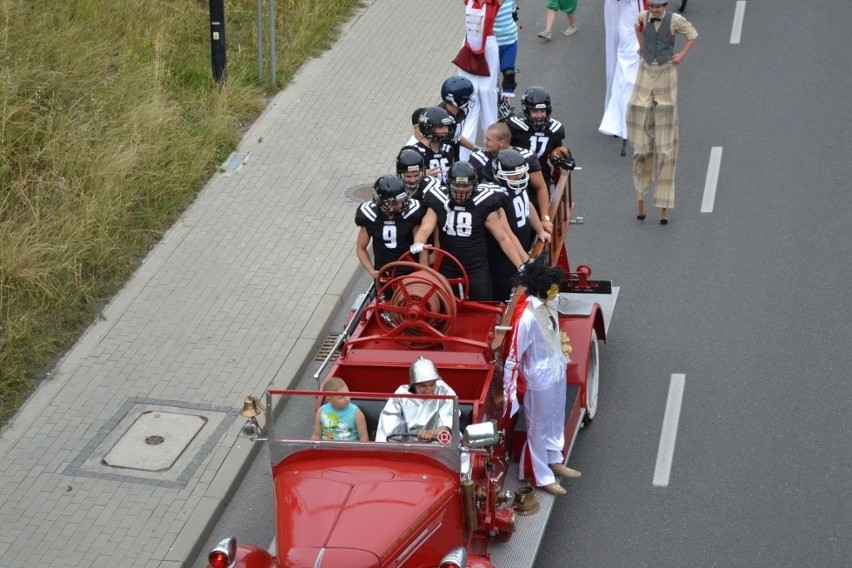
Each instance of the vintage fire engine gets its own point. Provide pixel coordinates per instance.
(405, 503)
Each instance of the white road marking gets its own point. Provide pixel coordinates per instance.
(667, 439)
(737, 28)
(712, 179)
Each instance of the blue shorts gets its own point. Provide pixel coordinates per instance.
(508, 55)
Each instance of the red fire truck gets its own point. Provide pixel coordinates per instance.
(405, 503)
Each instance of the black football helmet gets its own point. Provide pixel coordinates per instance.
(511, 168)
(390, 195)
(458, 91)
(462, 182)
(410, 161)
(432, 117)
(536, 98)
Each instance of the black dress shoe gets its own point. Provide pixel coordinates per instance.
(664, 221)
(640, 217)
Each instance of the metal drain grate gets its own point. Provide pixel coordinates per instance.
(326, 348)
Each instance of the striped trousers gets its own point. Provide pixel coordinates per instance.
(652, 127)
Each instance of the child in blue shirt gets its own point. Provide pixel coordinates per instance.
(338, 418)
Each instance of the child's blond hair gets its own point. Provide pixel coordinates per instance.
(334, 384)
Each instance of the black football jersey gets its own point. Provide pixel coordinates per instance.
(516, 206)
(425, 183)
(443, 158)
(462, 227)
(541, 143)
(486, 167)
(391, 237)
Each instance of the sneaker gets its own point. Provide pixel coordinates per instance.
(570, 31)
(544, 35)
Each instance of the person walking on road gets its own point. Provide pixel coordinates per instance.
(652, 112)
(569, 7)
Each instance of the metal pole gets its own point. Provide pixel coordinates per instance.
(273, 79)
(217, 39)
(260, 39)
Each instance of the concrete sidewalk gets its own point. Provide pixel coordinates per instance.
(127, 454)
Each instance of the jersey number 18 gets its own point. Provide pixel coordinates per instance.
(459, 223)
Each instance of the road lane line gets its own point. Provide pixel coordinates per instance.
(667, 438)
(712, 179)
(737, 28)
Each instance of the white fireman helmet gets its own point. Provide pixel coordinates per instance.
(422, 371)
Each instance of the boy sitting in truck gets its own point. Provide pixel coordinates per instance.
(338, 418)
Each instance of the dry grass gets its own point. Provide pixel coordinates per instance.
(111, 123)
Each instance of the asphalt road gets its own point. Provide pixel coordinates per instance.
(749, 303)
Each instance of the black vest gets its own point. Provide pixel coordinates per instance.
(658, 45)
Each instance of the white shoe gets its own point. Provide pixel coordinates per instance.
(544, 35)
(570, 31)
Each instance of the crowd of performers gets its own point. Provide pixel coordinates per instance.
(488, 205)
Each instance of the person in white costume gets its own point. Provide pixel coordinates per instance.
(622, 64)
(536, 356)
(479, 27)
(424, 419)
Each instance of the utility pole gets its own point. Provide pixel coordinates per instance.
(217, 39)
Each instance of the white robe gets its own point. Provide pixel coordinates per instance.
(622, 63)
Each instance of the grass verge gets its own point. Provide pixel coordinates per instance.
(111, 124)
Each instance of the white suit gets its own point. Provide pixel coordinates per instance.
(622, 63)
(536, 355)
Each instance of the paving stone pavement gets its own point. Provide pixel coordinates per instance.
(235, 297)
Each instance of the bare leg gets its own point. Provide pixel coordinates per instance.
(548, 25)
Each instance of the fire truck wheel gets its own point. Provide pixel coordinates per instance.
(592, 380)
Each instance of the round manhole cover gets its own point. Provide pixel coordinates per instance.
(154, 440)
(360, 193)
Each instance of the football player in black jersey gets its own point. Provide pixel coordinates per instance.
(435, 134)
(456, 97)
(464, 214)
(513, 178)
(497, 138)
(411, 169)
(389, 220)
(539, 132)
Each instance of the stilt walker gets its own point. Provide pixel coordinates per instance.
(622, 64)
(652, 112)
(479, 26)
